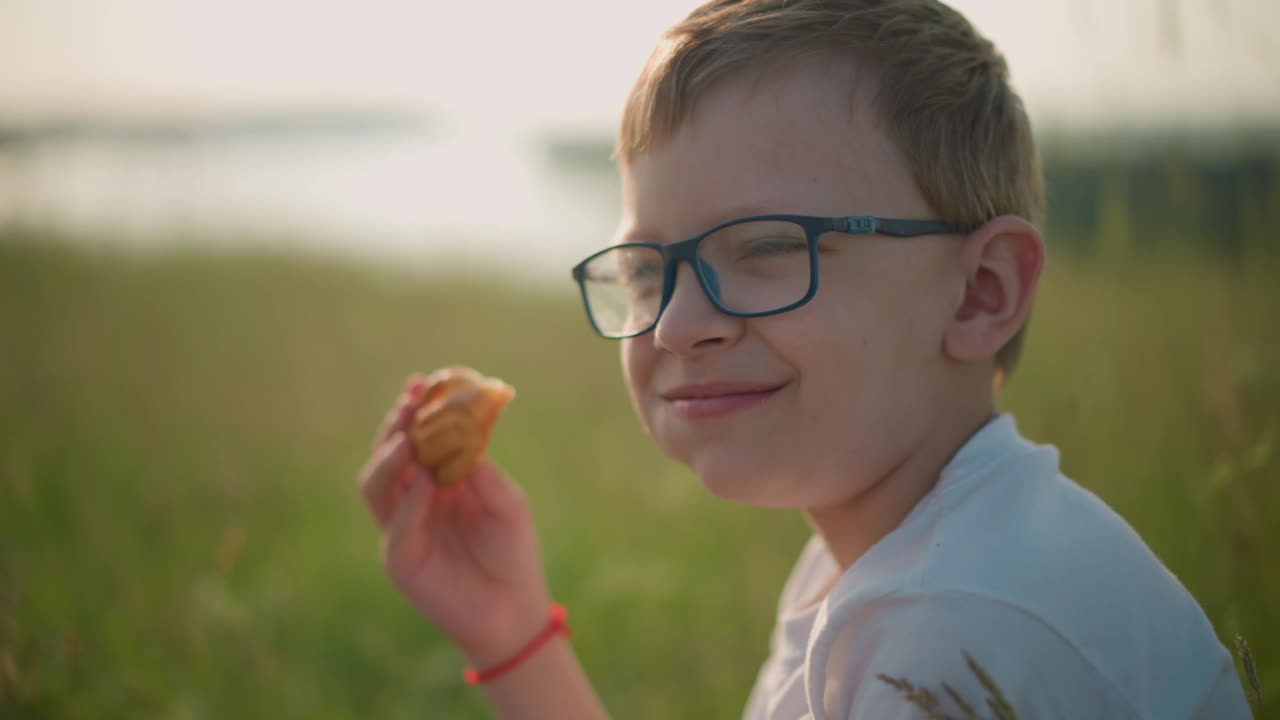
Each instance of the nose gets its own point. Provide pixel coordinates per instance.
(690, 322)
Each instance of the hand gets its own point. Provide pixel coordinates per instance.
(465, 556)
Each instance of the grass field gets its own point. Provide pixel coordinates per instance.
(180, 535)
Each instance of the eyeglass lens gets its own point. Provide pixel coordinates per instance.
(750, 267)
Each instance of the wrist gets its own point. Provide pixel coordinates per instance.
(505, 633)
(554, 626)
(549, 684)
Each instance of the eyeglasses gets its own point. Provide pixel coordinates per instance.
(751, 267)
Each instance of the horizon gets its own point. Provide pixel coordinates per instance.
(1079, 64)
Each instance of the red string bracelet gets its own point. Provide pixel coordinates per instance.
(555, 625)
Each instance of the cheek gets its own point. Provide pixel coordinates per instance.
(874, 371)
(893, 315)
(858, 350)
(637, 372)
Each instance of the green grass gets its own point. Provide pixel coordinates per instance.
(180, 535)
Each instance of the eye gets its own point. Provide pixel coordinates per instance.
(641, 279)
(640, 272)
(765, 247)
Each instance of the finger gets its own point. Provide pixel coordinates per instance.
(401, 412)
(406, 538)
(395, 419)
(378, 482)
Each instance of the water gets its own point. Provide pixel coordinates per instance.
(403, 194)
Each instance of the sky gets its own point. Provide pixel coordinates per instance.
(569, 63)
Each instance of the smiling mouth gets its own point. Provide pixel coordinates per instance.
(710, 402)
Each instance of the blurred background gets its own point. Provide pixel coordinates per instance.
(228, 231)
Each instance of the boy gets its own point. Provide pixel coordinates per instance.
(876, 146)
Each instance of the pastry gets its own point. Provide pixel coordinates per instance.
(454, 420)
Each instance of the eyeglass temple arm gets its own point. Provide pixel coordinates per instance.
(865, 224)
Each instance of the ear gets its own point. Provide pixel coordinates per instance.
(1001, 261)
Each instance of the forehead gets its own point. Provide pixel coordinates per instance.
(802, 137)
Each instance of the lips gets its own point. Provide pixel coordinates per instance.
(717, 389)
(717, 399)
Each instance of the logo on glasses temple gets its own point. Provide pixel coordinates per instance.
(860, 224)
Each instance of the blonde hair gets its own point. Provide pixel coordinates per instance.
(944, 94)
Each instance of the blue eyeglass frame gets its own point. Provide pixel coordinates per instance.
(814, 227)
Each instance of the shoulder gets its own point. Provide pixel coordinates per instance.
(862, 665)
(1032, 544)
(1034, 577)
(965, 648)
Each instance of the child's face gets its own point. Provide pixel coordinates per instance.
(854, 378)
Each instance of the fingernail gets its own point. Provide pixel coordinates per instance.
(416, 387)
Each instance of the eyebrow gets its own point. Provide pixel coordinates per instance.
(735, 212)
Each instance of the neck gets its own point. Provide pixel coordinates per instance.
(852, 526)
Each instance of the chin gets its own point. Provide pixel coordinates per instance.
(743, 479)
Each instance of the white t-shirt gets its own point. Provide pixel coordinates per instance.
(1053, 594)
